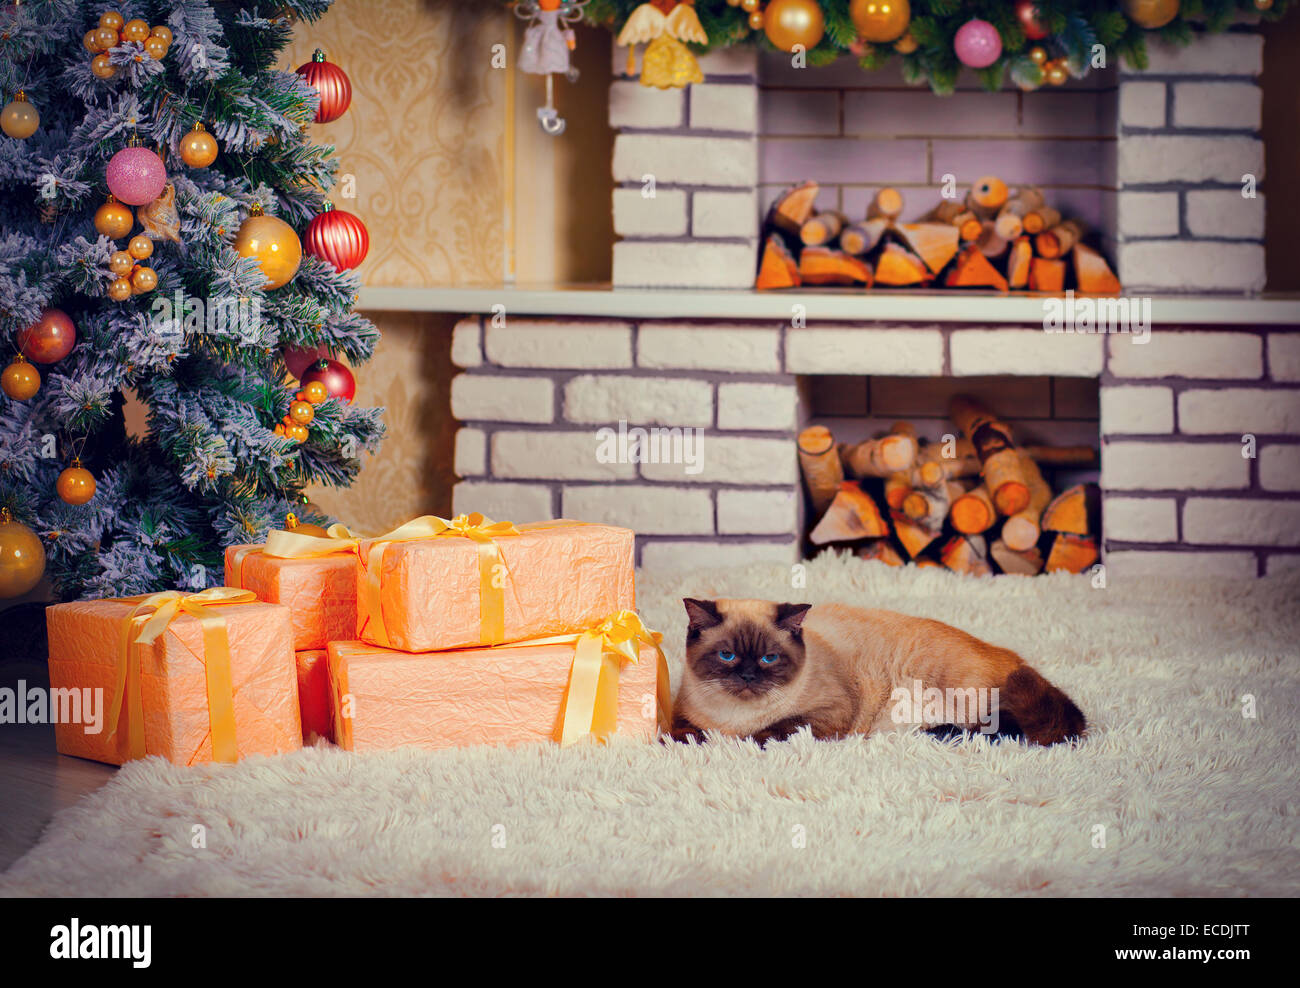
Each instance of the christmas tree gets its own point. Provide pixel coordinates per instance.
(179, 307)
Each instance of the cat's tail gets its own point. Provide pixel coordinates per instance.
(1041, 712)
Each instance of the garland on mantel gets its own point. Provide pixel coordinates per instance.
(928, 47)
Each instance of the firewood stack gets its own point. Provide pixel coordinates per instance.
(978, 505)
(989, 239)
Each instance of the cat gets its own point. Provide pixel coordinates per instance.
(763, 670)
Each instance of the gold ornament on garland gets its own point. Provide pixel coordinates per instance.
(19, 119)
(20, 380)
(198, 147)
(119, 289)
(1056, 73)
(880, 21)
(1038, 55)
(113, 31)
(76, 484)
(273, 242)
(906, 44)
(22, 557)
(140, 247)
(788, 23)
(1151, 14)
(113, 219)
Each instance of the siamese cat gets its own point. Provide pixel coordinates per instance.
(763, 670)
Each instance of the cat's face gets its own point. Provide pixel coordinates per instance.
(744, 648)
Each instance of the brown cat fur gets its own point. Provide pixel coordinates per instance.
(837, 668)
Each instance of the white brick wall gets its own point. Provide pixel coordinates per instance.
(553, 456)
(1130, 565)
(1142, 104)
(1010, 351)
(1190, 265)
(1140, 519)
(551, 343)
(1282, 564)
(724, 107)
(634, 105)
(913, 352)
(485, 397)
(1227, 105)
(471, 453)
(1136, 410)
(1225, 213)
(1239, 410)
(466, 348)
(722, 348)
(1279, 468)
(645, 508)
(1224, 521)
(1284, 356)
(724, 214)
(607, 398)
(502, 502)
(686, 160)
(1223, 54)
(733, 460)
(1131, 466)
(664, 215)
(654, 264)
(678, 556)
(1178, 158)
(1148, 214)
(1193, 354)
(757, 406)
(758, 512)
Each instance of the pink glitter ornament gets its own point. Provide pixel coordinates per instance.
(977, 44)
(136, 176)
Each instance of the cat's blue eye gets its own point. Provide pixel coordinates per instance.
(727, 657)
(768, 659)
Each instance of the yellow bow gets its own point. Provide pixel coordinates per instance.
(156, 612)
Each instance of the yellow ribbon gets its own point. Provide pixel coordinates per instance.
(155, 612)
(287, 544)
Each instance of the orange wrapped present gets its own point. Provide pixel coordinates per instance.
(435, 584)
(315, 577)
(198, 677)
(611, 679)
(314, 695)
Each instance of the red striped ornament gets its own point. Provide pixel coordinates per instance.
(338, 237)
(331, 82)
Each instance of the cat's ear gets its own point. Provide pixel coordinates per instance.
(790, 617)
(702, 613)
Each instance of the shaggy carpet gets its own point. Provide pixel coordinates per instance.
(1174, 792)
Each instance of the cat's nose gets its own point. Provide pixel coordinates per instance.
(749, 675)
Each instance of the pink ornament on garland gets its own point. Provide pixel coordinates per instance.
(977, 44)
(136, 176)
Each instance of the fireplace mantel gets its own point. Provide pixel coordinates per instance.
(986, 308)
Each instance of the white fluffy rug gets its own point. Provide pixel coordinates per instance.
(1194, 798)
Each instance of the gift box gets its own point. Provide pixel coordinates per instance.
(560, 689)
(194, 678)
(314, 705)
(435, 585)
(320, 589)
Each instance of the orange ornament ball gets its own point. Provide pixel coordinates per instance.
(107, 37)
(880, 21)
(315, 392)
(198, 148)
(112, 20)
(20, 379)
(144, 280)
(114, 220)
(90, 41)
(275, 245)
(140, 247)
(119, 289)
(301, 412)
(22, 557)
(162, 31)
(101, 67)
(76, 485)
(1151, 14)
(297, 432)
(155, 47)
(789, 23)
(135, 30)
(120, 263)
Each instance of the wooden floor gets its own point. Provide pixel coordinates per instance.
(35, 781)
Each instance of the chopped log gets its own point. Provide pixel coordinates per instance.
(966, 554)
(1020, 532)
(822, 470)
(1059, 240)
(1046, 275)
(1071, 553)
(853, 514)
(973, 512)
(928, 506)
(989, 243)
(881, 551)
(896, 265)
(999, 458)
(860, 238)
(1022, 253)
(887, 203)
(914, 537)
(778, 268)
(987, 195)
(1069, 512)
(897, 487)
(821, 229)
(1008, 225)
(934, 243)
(973, 270)
(969, 227)
(1062, 456)
(946, 212)
(1092, 274)
(794, 208)
(934, 468)
(1027, 562)
(824, 266)
(881, 457)
(1029, 198)
(1040, 219)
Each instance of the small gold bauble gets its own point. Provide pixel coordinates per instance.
(119, 289)
(274, 243)
(144, 280)
(107, 38)
(749, 5)
(155, 47)
(19, 119)
(135, 30)
(1056, 73)
(20, 379)
(1151, 14)
(315, 392)
(302, 412)
(114, 220)
(112, 20)
(22, 557)
(297, 432)
(120, 262)
(76, 485)
(90, 41)
(101, 67)
(756, 20)
(1038, 55)
(140, 247)
(906, 44)
(198, 148)
(162, 31)
(880, 21)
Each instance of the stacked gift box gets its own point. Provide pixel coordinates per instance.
(438, 634)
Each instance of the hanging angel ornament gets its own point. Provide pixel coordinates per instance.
(548, 44)
(667, 63)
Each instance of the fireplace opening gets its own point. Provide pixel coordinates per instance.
(982, 475)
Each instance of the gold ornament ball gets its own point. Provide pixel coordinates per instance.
(20, 379)
(114, 220)
(120, 262)
(144, 280)
(750, 6)
(1038, 55)
(119, 289)
(1151, 14)
(76, 485)
(101, 67)
(906, 44)
(19, 119)
(112, 20)
(135, 30)
(161, 31)
(302, 412)
(198, 148)
(90, 40)
(315, 392)
(788, 23)
(155, 47)
(107, 37)
(22, 557)
(140, 247)
(1056, 73)
(756, 20)
(879, 21)
(297, 432)
(274, 244)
